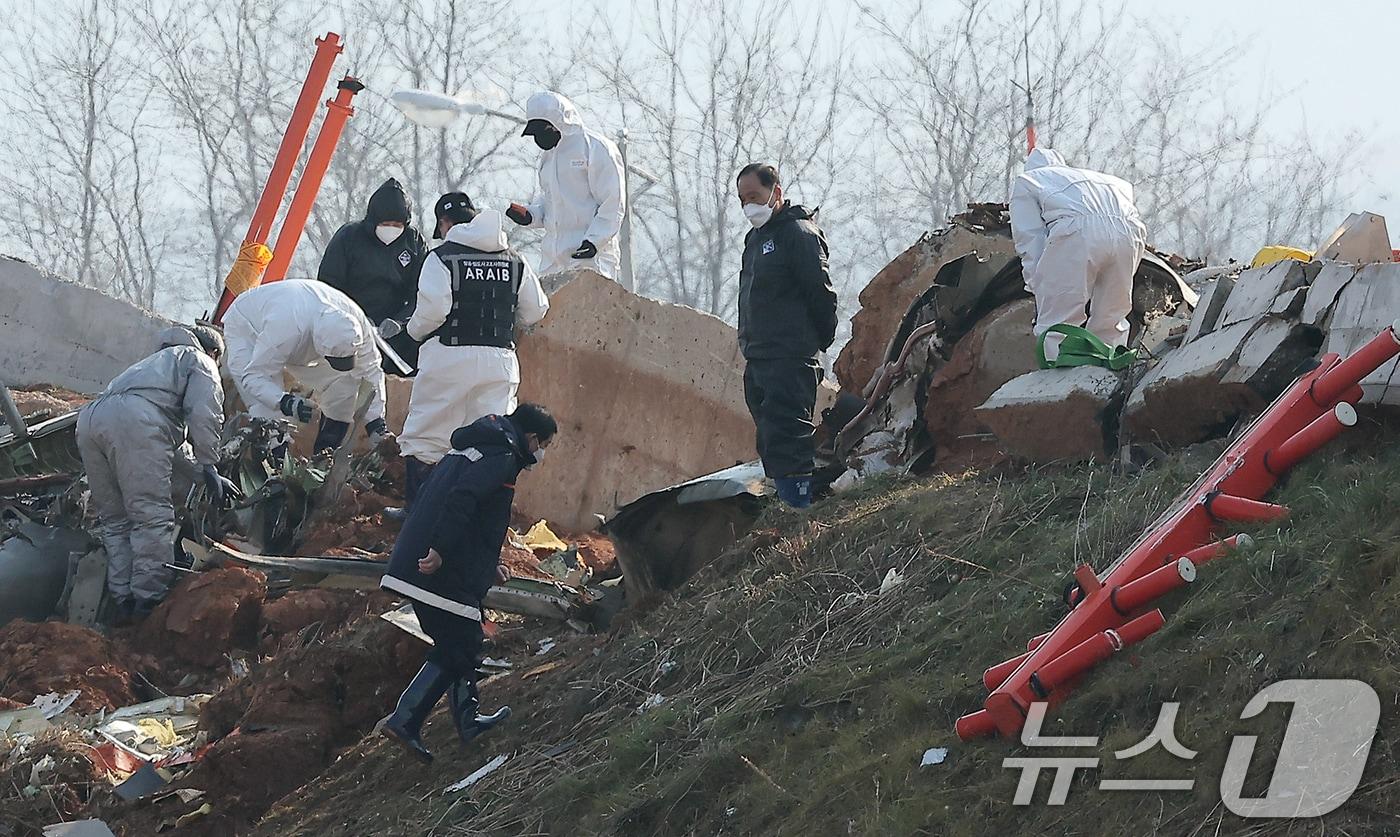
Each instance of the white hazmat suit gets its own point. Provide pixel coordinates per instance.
(128, 439)
(293, 326)
(1080, 240)
(583, 192)
(457, 385)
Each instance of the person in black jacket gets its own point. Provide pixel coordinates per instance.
(375, 261)
(787, 318)
(448, 555)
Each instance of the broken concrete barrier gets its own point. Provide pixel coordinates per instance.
(1056, 414)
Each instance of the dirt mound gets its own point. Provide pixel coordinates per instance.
(598, 552)
(54, 779)
(522, 563)
(41, 657)
(43, 402)
(206, 616)
(327, 610)
(356, 526)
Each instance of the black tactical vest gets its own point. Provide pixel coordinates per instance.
(484, 292)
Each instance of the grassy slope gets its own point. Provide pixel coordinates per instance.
(797, 705)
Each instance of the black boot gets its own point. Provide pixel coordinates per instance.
(463, 696)
(405, 724)
(329, 434)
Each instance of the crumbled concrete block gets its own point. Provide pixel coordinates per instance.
(1055, 414)
(1212, 302)
(1365, 306)
(1273, 355)
(1182, 400)
(1256, 289)
(1289, 303)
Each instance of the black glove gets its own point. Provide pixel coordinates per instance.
(519, 214)
(296, 407)
(586, 250)
(377, 427)
(220, 488)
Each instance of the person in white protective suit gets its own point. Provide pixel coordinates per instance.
(1080, 240)
(128, 439)
(473, 291)
(321, 338)
(583, 190)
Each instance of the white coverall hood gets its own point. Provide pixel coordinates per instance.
(1041, 157)
(1080, 240)
(556, 109)
(582, 191)
(335, 333)
(485, 232)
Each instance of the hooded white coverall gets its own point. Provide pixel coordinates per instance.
(294, 325)
(128, 439)
(583, 191)
(456, 385)
(1080, 240)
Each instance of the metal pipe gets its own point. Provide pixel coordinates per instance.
(1211, 551)
(1227, 507)
(997, 674)
(627, 274)
(260, 226)
(10, 412)
(1332, 384)
(979, 724)
(1136, 594)
(338, 110)
(1092, 651)
(1305, 442)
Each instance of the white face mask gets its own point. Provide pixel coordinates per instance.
(388, 233)
(759, 213)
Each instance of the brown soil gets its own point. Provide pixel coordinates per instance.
(206, 616)
(598, 552)
(358, 522)
(41, 657)
(322, 611)
(522, 563)
(44, 402)
(63, 790)
(291, 716)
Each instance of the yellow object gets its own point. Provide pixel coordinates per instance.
(247, 270)
(1277, 253)
(540, 537)
(159, 730)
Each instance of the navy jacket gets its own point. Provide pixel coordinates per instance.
(462, 511)
(787, 307)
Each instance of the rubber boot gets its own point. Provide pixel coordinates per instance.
(464, 705)
(796, 491)
(329, 434)
(405, 724)
(415, 473)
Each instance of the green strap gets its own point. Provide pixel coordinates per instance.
(1081, 347)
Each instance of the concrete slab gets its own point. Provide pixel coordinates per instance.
(53, 331)
(1054, 414)
(1367, 304)
(1183, 400)
(1322, 295)
(1273, 355)
(647, 394)
(1256, 289)
(1207, 314)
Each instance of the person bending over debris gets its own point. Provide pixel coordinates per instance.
(320, 336)
(447, 557)
(474, 290)
(583, 191)
(128, 440)
(787, 318)
(375, 262)
(1080, 241)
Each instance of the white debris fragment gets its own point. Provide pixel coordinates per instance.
(53, 704)
(546, 645)
(934, 755)
(893, 579)
(481, 773)
(651, 703)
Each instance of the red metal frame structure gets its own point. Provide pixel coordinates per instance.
(338, 111)
(260, 227)
(1115, 611)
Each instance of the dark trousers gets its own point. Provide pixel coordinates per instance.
(781, 394)
(457, 640)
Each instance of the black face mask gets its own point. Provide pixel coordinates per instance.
(547, 138)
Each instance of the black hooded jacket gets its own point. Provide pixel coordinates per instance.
(787, 307)
(382, 279)
(462, 511)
